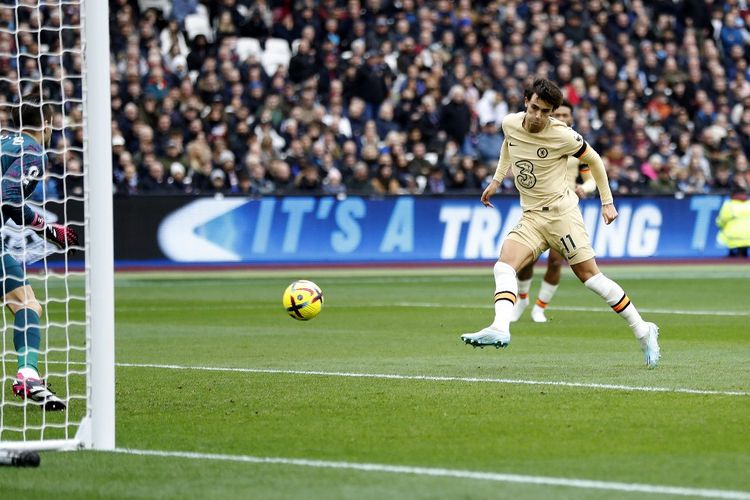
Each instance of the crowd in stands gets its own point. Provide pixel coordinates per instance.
(378, 97)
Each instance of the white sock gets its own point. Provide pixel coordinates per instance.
(506, 289)
(619, 301)
(523, 288)
(546, 292)
(29, 372)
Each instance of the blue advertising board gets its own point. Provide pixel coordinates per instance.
(417, 229)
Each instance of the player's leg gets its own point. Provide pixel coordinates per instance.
(568, 235)
(523, 246)
(20, 299)
(524, 277)
(549, 285)
(646, 333)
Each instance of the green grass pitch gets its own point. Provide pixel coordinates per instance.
(380, 377)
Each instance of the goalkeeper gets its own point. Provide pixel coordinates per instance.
(23, 166)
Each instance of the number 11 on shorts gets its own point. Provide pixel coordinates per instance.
(565, 245)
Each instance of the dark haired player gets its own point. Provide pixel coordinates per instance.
(23, 166)
(537, 148)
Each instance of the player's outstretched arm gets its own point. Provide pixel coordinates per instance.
(503, 165)
(13, 208)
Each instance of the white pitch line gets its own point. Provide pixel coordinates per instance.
(602, 309)
(436, 378)
(586, 484)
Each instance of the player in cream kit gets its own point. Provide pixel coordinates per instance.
(575, 170)
(536, 150)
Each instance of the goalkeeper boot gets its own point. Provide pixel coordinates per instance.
(518, 309)
(650, 345)
(37, 391)
(487, 336)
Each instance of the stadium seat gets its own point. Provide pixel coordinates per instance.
(295, 46)
(165, 6)
(196, 24)
(248, 46)
(277, 54)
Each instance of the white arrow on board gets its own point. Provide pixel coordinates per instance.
(178, 239)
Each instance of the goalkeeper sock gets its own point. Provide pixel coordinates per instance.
(26, 339)
(619, 301)
(506, 288)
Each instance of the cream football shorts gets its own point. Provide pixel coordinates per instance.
(564, 232)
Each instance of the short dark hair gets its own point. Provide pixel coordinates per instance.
(31, 112)
(566, 103)
(546, 90)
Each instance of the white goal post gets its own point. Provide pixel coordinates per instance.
(77, 328)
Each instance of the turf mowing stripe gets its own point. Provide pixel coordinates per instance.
(436, 378)
(454, 473)
(235, 306)
(571, 308)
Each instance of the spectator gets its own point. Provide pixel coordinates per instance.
(178, 178)
(332, 184)
(645, 84)
(74, 178)
(281, 176)
(302, 65)
(359, 183)
(308, 180)
(128, 186)
(155, 181)
(488, 143)
(259, 183)
(722, 179)
(664, 183)
(218, 182)
(436, 181)
(371, 83)
(455, 118)
(734, 223)
(384, 181)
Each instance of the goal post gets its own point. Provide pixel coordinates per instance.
(99, 235)
(76, 355)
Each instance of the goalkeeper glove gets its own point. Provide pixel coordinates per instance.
(62, 236)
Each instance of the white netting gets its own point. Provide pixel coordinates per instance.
(41, 52)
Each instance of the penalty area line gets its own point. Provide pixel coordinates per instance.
(499, 477)
(437, 378)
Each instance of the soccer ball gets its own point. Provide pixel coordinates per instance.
(302, 300)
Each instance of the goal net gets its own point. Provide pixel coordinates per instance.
(49, 48)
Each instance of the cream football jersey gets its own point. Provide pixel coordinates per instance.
(539, 162)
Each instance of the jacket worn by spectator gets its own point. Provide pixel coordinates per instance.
(734, 223)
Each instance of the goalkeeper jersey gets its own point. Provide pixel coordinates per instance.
(23, 165)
